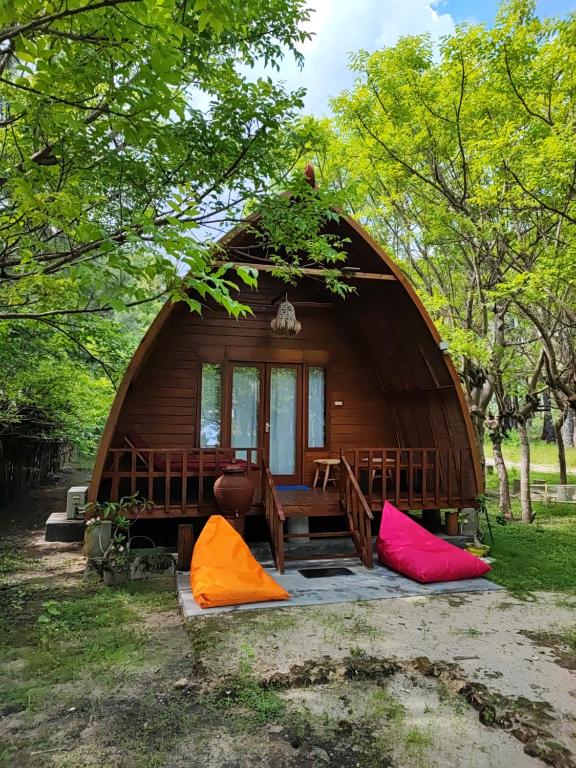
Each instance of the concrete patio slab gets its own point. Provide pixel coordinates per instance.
(364, 584)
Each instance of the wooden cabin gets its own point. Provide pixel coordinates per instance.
(366, 381)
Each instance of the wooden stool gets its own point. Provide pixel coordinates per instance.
(327, 464)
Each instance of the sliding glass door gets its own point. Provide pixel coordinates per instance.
(262, 407)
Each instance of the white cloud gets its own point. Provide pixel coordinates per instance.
(342, 27)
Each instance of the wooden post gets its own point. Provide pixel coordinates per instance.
(185, 546)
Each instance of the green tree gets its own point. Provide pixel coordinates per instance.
(57, 379)
(132, 135)
(464, 163)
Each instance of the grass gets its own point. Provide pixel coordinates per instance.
(385, 707)
(70, 644)
(540, 453)
(244, 692)
(514, 473)
(416, 743)
(74, 652)
(398, 733)
(83, 633)
(561, 636)
(539, 556)
(350, 627)
(468, 632)
(13, 561)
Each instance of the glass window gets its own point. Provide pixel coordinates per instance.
(245, 407)
(316, 408)
(211, 405)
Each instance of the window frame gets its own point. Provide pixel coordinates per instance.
(222, 436)
(306, 391)
(227, 372)
(226, 368)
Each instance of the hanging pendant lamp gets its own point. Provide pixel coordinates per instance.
(285, 322)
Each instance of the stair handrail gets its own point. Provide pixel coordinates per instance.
(361, 523)
(273, 490)
(275, 516)
(356, 487)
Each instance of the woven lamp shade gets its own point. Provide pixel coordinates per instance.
(285, 322)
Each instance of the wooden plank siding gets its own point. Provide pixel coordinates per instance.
(388, 392)
(161, 403)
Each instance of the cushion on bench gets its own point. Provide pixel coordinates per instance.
(406, 547)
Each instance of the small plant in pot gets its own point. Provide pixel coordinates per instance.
(116, 560)
(116, 556)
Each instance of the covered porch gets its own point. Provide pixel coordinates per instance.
(180, 483)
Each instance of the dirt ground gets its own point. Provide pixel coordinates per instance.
(114, 678)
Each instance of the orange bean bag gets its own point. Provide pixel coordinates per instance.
(225, 572)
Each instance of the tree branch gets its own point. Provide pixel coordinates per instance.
(85, 311)
(519, 96)
(9, 33)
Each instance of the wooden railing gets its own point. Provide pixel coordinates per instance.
(414, 478)
(275, 517)
(178, 481)
(356, 509)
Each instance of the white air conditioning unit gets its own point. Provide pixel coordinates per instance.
(76, 501)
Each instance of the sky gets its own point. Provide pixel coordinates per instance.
(343, 26)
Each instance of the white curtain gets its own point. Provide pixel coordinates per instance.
(245, 407)
(316, 407)
(283, 408)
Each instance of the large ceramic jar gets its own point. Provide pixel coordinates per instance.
(234, 491)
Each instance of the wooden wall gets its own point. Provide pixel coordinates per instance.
(410, 367)
(161, 403)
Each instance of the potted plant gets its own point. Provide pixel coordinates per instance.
(113, 549)
(116, 560)
(98, 531)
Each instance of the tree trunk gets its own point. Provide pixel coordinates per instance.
(561, 449)
(504, 483)
(500, 464)
(525, 498)
(568, 429)
(479, 431)
(548, 431)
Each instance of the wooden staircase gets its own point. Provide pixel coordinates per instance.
(348, 502)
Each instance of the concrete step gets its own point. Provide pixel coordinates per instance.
(59, 528)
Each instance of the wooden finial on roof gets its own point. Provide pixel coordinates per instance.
(310, 175)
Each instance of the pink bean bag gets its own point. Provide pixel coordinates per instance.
(406, 547)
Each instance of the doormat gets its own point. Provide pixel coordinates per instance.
(293, 488)
(323, 573)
